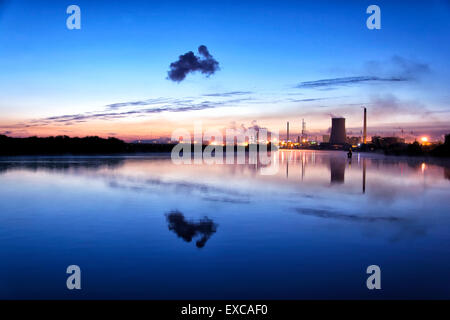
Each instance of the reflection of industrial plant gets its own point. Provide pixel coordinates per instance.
(336, 164)
(188, 230)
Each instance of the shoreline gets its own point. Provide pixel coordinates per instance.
(166, 155)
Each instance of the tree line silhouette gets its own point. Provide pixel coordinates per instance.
(416, 149)
(61, 145)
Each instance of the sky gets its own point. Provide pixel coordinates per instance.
(277, 61)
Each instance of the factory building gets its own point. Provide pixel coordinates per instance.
(383, 142)
(354, 141)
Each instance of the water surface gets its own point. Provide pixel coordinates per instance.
(141, 227)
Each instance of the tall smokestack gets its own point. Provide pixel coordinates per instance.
(287, 131)
(303, 129)
(365, 126)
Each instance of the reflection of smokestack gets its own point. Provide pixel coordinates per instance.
(364, 175)
(287, 131)
(365, 127)
(338, 135)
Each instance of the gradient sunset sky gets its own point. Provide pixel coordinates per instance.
(279, 61)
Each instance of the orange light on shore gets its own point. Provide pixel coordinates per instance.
(215, 143)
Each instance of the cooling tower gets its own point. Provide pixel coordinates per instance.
(338, 135)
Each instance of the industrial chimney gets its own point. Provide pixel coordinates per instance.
(338, 134)
(287, 131)
(365, 126)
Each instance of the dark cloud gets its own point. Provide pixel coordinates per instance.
(189, 62)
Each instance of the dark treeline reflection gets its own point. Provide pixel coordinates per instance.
(60, 165)
(187, 230)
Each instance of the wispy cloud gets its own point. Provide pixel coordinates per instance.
(399, 67)
(148, 102)
(346, 81)
(228, 94)
(312, 99)
(119, 110)
(379, 105)
(396, 69)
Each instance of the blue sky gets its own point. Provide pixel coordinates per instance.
(265, 50)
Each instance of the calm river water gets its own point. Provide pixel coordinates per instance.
(141, 227)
